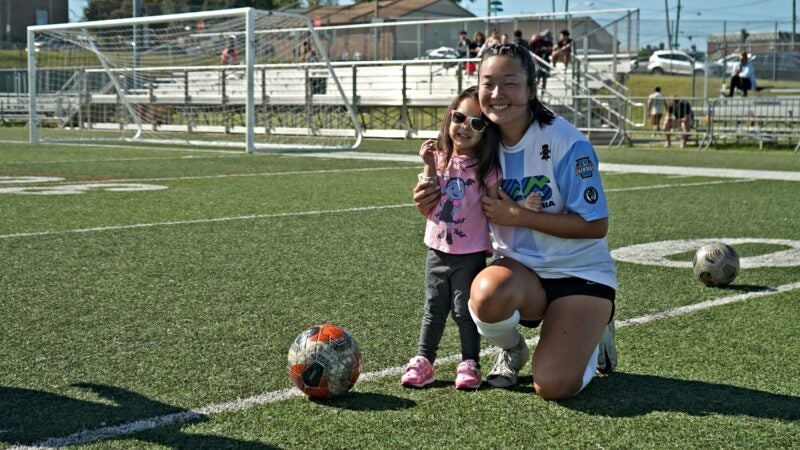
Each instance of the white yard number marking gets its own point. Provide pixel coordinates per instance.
(655, 253)
(70, 189)
(25, 180)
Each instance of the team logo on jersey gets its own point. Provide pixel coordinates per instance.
(590, 195)
(521, 189)
(584, 167)
(545, 153)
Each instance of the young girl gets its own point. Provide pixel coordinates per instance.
(457, 235)
(552, 266)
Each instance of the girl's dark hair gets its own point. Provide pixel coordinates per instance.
(486, 159)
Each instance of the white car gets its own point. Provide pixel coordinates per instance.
(677, 62)
(442, 53)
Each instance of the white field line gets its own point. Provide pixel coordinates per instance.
(81, 161)
(188, 222)
(291, 214)
(115, 431)
(661, 186)
(211, 177)
(301, 213)
(607, 167)
(114, 147)
(329, 171)
(604, 167)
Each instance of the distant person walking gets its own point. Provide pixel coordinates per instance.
(656, 107)
(744, 76)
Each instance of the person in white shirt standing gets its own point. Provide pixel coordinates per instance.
(656, 107)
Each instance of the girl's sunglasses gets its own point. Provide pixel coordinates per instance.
(475, 123)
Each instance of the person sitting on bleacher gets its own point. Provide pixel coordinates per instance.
(744, 76)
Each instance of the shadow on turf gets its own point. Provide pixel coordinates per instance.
(627, 395)
(357, 401)
(28, 416)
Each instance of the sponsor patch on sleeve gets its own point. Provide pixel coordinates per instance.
(584, 167)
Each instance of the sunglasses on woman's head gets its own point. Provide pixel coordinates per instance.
(476, 124)
(509, 49)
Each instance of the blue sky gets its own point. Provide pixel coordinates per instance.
(698, 18)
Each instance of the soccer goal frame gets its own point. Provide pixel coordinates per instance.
(159, 79)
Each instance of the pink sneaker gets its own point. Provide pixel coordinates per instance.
(419, 373)
(468, 375)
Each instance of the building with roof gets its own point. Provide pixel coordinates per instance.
(17, 15)
(389, 42)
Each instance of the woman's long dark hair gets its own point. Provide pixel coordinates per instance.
(539, 112)
(486, 163)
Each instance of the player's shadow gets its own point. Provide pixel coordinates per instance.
(627, 395)
(29, 416)
(357, 401)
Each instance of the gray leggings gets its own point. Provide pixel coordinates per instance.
(448, 279)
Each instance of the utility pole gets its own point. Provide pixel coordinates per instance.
(677, 25)
(794, 20)
(8, 21)
(666, 14)
(492, 6)
(377, 31)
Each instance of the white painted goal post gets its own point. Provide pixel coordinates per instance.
(165, 79)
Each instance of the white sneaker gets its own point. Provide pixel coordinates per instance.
(607, 358)
(505, 371)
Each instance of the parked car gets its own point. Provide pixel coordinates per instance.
(777, 66)
(639, 64)
(442, 53)
(677, 62)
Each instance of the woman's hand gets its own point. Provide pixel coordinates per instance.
(426, 196)
(503, 210)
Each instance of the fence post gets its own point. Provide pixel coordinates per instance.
(187, 117)
(404, 108)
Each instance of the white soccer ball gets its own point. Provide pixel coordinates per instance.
(324, 361)
(716, 264)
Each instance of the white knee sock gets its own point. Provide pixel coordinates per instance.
(591, 368)
(503, 334)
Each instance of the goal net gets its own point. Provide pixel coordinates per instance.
(239, 77)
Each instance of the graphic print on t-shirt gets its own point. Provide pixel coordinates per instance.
(454, 192)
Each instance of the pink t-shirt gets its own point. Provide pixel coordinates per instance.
(457, 224)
